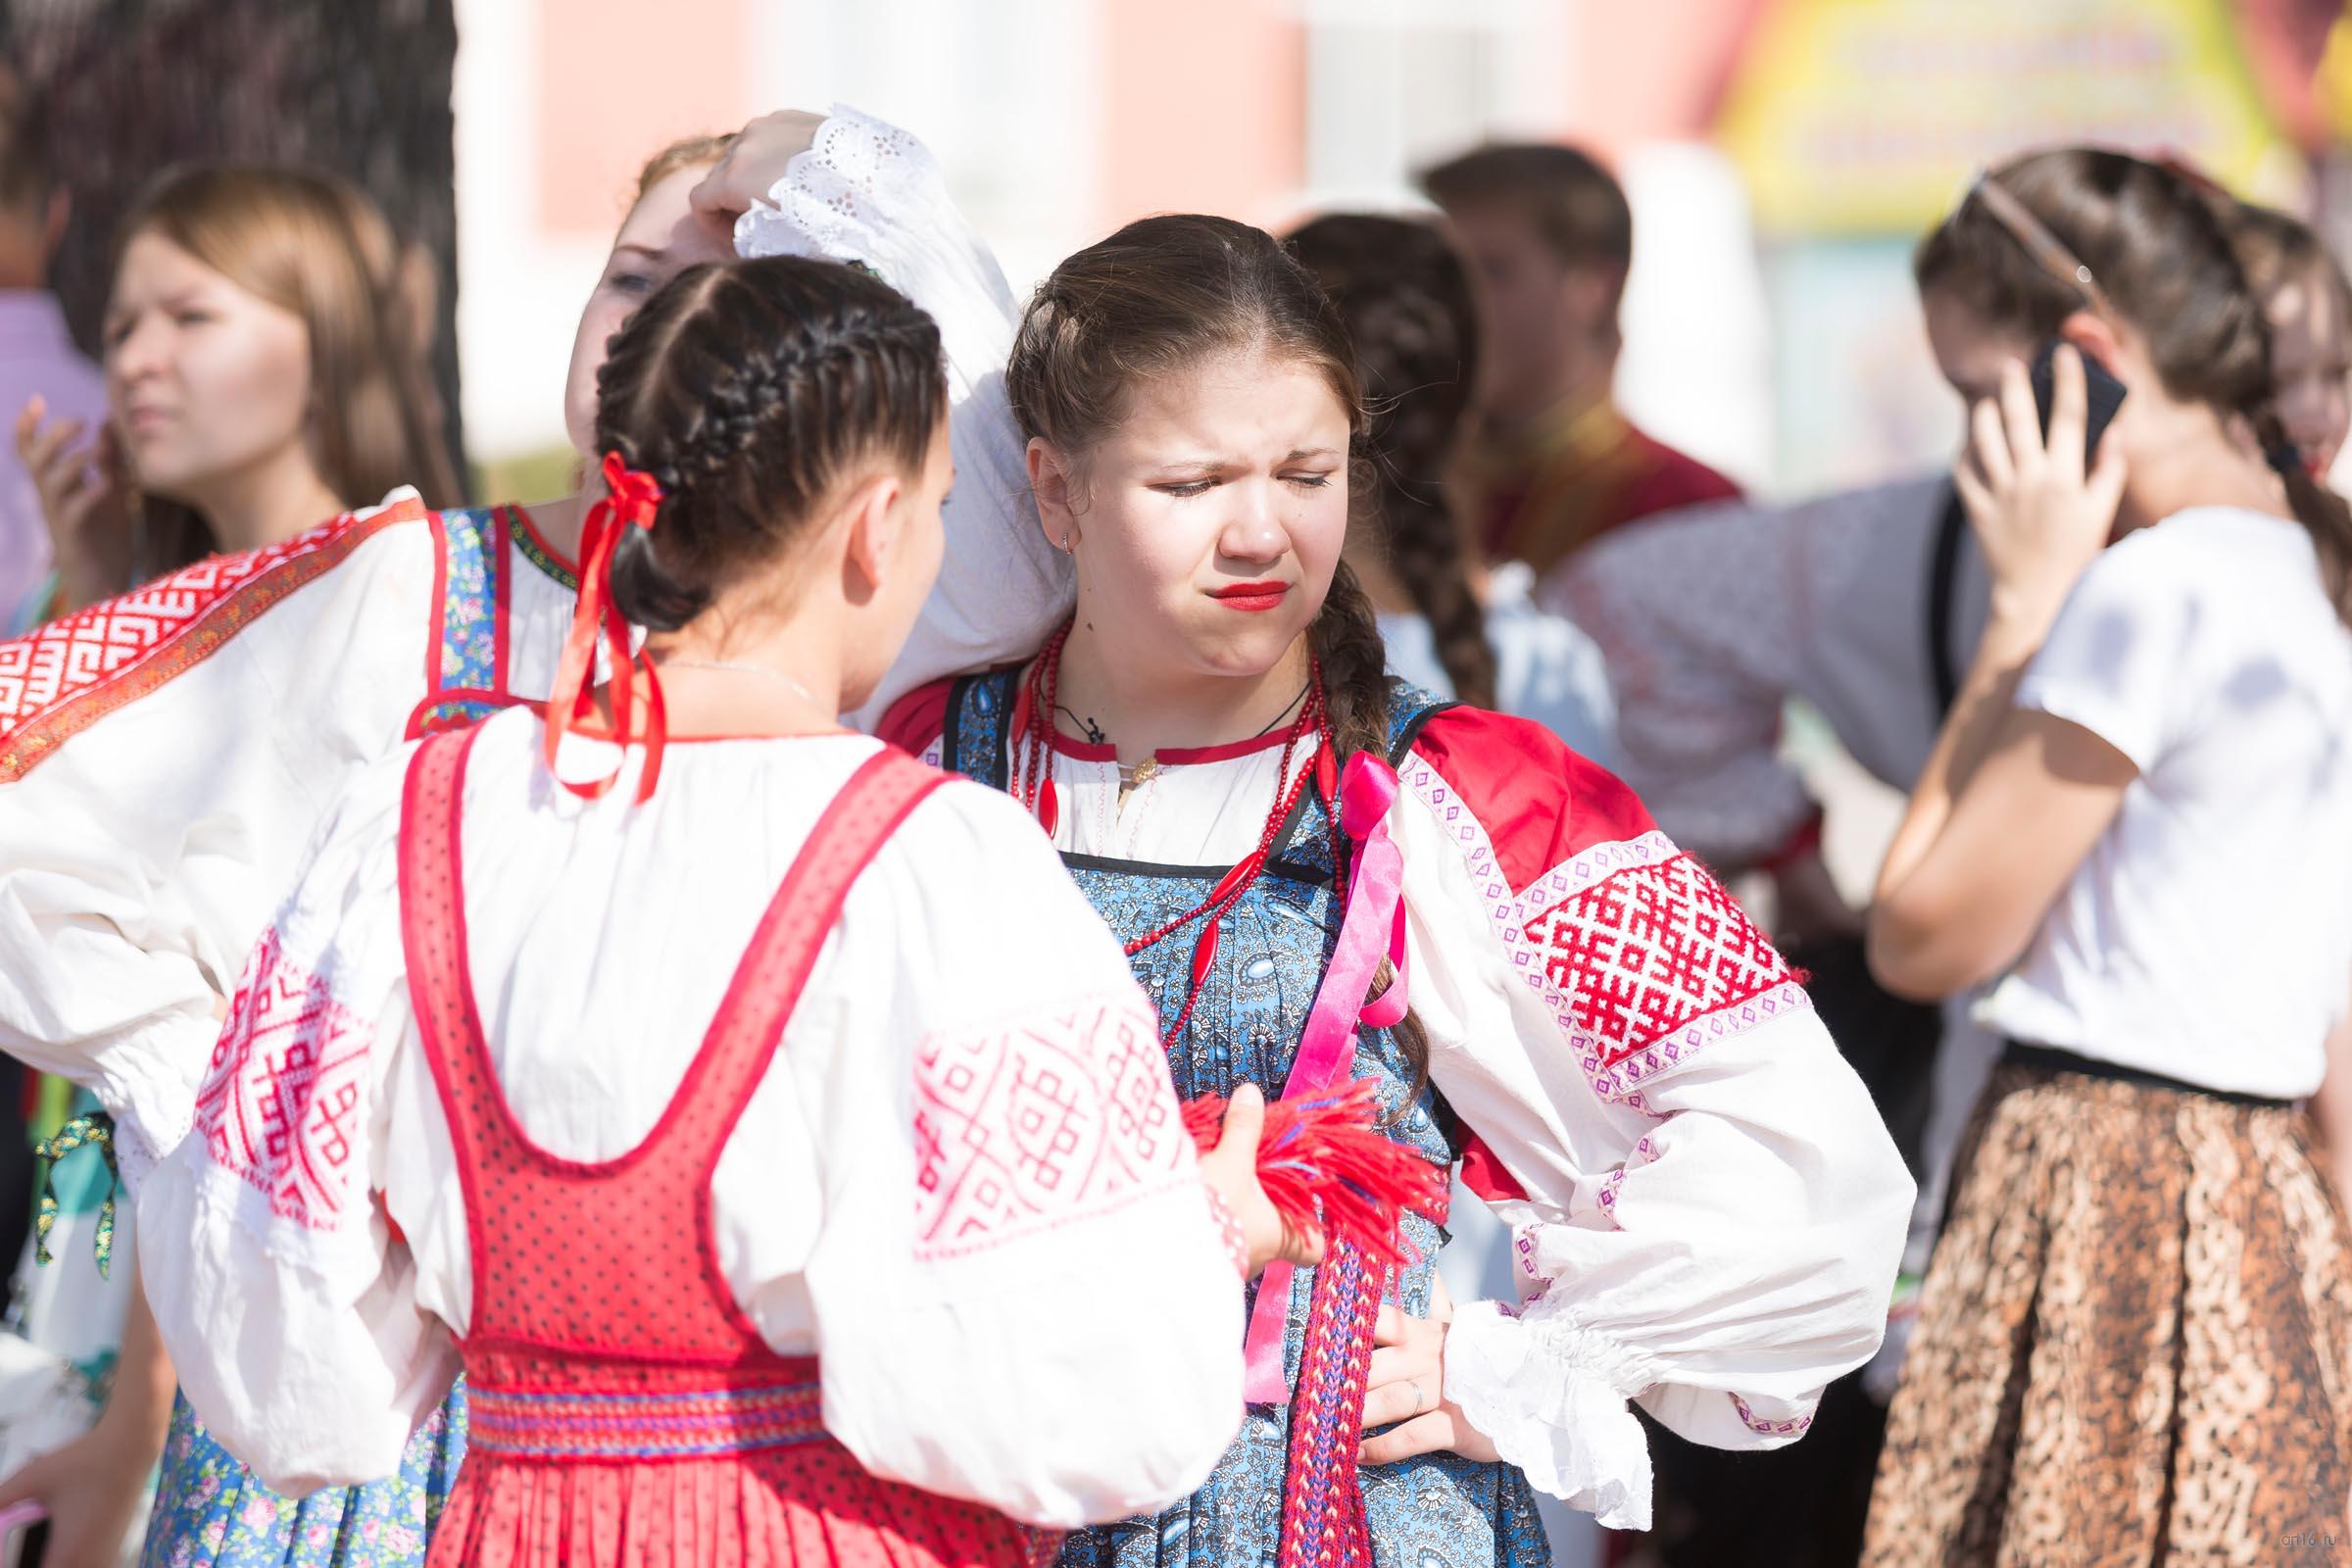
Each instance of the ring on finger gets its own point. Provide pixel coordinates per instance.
(1420, 1396)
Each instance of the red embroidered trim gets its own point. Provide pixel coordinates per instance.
(1052, 1120)
(1766, 1428)
(530, 529)
(1643, 954)
(280, 1102)
(916, 721)
(61, 679)
(1643, 1153)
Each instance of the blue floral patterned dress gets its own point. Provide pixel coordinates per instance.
(210, 1511)
(1438, 1510)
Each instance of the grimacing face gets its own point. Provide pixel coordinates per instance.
(202, 379)
(1210, 521)
(661, 239)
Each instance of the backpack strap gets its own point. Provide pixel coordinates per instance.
(1944, 582)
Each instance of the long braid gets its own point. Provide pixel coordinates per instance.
(1346, 641)
(1406, 299)
(2322, 512)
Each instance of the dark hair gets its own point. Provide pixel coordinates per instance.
(746, 389)
(1164, 293)
(26, 176)
(1160, 295)
(1406, 299)
(2161, 253)
(1577, 206)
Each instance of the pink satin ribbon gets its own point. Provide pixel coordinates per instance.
(1373, 928)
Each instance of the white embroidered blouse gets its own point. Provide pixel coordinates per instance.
(1046, 1322)
(1707, 1208)
(165, 757)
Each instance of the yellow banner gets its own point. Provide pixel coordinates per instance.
(1856, 117)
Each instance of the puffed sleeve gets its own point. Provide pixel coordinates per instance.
(164, 757)
(1020, 1294)
(1708, 1209)
(867, 192)
(286, 1300)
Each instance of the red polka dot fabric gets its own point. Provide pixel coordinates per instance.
(626, 1410)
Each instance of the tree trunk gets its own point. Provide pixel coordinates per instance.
(358, 88)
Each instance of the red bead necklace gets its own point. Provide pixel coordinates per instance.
(1032, 784)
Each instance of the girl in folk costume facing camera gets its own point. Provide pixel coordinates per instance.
(1319, 874)
(2143, 766)
(921, 1209)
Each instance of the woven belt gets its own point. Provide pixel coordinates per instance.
(678, 1424)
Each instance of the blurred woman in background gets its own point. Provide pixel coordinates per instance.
(266, 369)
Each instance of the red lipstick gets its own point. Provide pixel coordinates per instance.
(1252, 596)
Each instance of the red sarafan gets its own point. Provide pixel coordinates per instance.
(623, 1414)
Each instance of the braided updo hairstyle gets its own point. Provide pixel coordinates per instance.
(748, 389)
(1406, 299)
(2163, 255)
(1163, 294)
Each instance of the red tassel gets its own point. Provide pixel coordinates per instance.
(1325, 1166)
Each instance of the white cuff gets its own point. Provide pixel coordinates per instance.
(868, 193)
(147, 1080)
(836, 200)
(1551, 1396)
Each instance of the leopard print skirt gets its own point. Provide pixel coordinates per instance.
(2133, 1342)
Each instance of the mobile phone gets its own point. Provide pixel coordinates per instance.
(2103, 396)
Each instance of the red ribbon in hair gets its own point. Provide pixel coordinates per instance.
(631, 499)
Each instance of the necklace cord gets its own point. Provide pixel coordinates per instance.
(1031, 783)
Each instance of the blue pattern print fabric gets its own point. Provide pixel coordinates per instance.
(1434, 1511)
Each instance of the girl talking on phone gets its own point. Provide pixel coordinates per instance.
(2120, 821)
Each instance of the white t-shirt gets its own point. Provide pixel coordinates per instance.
(2208, 936)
